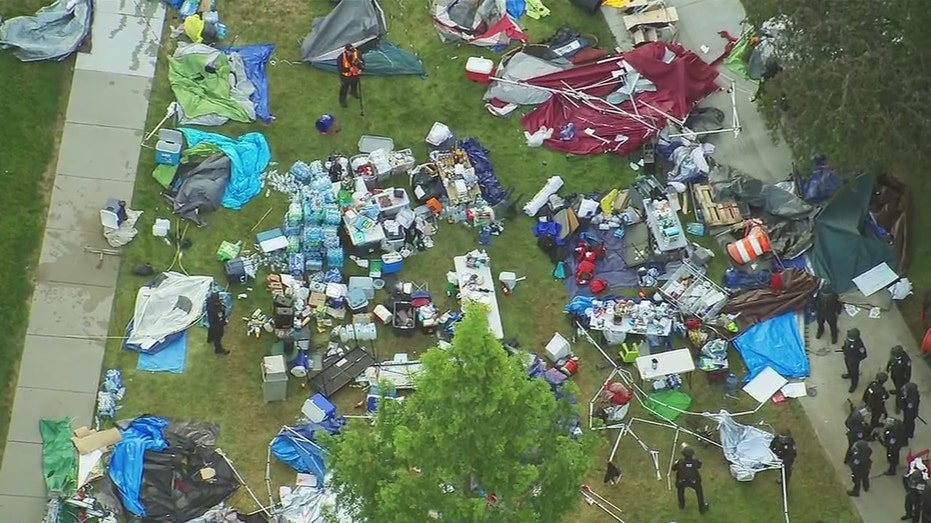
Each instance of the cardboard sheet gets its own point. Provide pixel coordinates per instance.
(765, 384)
(875, 279)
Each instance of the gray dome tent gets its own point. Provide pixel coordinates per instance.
(362, 24)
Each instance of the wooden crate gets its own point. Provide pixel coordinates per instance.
(712, 213)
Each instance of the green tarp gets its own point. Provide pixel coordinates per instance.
(203, 90)
(846, 245)
(667, 404)
(59, 458)
(738, 61)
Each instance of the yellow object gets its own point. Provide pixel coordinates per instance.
(194, 28)
(630, 353)
(536, 9)
(607, 203)
(615, 3)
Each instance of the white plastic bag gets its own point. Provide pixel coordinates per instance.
(536, 139)
(901, 289)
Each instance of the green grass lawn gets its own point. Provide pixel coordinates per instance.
(228, 390)
(32, 102)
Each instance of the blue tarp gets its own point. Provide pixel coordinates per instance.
(255, 57)
(249, 155)
(386, 59)
(295, 446)
(126, 461)
(775, 343)
(516, 8)
(170, 358)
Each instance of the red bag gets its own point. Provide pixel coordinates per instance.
(598, 286)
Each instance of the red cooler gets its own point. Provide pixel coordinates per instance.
(479, 69)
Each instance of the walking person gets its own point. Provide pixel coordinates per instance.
(350, 69)
(875, 397)
(860, 462)
(827, 310)
(911, 400)
(891, 438)
(216, 323)
(688, 476)
(900, 370)
(854, 352)
(783, 446)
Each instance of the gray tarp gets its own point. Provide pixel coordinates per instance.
(202, 187)
(745, 447)
(54, 33)
(522, 66)
(354, 22)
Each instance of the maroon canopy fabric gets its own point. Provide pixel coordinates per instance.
(680, 84)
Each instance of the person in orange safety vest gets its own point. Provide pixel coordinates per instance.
(350, 68)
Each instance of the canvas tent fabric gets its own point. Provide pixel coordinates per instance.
(775, 343)
(745, 447)
(677, 80)
(172, 303)
(361, 23)
(755, 305)
(517, 68)
(846, 242)
(484, 23)
(668, 404)
(59, 459)
(249, 156)
(255, 59)
(198, 188)
(54, 33)
(210, 86)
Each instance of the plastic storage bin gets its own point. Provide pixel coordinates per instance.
(363, 283)
(274, 379)
(368, 143)
(479, 69)
(168, 148)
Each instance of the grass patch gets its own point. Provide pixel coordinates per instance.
(33, 103)
(228, 390)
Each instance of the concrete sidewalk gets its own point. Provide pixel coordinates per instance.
(74, 291)
(755, 153)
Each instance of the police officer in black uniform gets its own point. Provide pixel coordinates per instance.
(856, 430)
(860, 462)
(688, 476)
(216, 323)
(915, 486)
(827, 310)
(900, 370)
(783, 446)
(854, 352)
(875, 397)
(911, 400)
(893, 439)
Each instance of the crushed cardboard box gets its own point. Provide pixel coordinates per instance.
(87, 440)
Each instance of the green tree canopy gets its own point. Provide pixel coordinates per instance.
(855, 78)
(475, 424)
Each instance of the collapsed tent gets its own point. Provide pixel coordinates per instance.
(777, 343)
(210, 86)
(617, 104)
(54, 33)
(249, 156)
(170, 304)
(745, 447)
(484, 23)
(362, 24)
(255, 59)
(198, 187)
(164, 476)
(296, 447)
(847, 241)
(752, 306)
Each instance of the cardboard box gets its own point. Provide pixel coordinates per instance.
(91, 440)
(658, 17)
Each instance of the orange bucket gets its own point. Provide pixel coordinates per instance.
(750, 247)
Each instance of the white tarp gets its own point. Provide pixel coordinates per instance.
(172, 304)
(309, 504)
(745, 447)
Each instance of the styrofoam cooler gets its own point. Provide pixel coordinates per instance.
(558, 348)
(479, 69)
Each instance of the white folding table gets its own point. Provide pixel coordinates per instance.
(655, 366)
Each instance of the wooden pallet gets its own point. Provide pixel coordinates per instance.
(712, 213)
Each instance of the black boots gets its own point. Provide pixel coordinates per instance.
(853, 493)
(221, 352)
